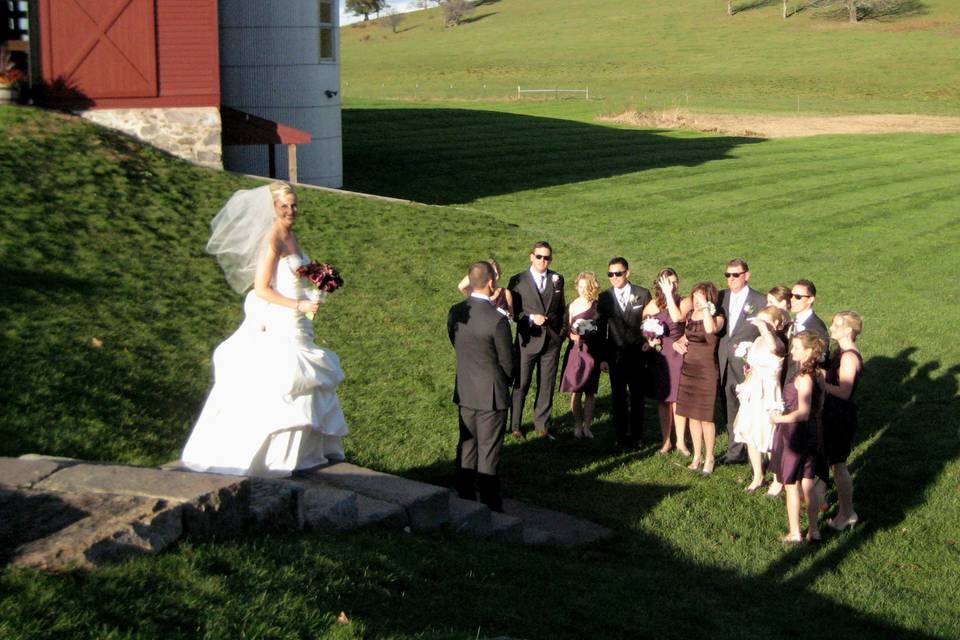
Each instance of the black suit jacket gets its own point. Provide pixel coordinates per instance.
(528, 301)
(481, 337)
(742, 332)
(621, 329)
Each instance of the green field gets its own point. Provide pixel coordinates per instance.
(663, 54)
(101, 238)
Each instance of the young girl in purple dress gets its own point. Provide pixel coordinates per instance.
(801, 464)
(581, 362)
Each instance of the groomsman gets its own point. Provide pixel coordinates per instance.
(481, 337)
(802, 296)
(539, 310)
(738, 302)
(620, 317)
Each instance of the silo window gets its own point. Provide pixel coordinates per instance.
(326, 30)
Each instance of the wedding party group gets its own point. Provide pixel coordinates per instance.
(760, 360)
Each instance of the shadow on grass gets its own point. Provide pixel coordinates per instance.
(893, 473)
(455, 156)
(879, 10)
(908, 417)
(478, 18)
(752, 4)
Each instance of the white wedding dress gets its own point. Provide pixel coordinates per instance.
(273, 408)
(759, 394)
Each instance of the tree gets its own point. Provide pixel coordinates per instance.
(455, 11)
(394, 18)
(365, 7)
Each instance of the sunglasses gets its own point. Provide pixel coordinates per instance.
(799, 296)
(734, 275)
(542, 257)
(615, 274)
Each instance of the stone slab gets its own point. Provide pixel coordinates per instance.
(86, 530)
(505, 528)
(327, 508)
(427, 506)
(373, 512)
(18, 472)
(562, 529)
(470, 518)
(275, 505)
(215, 505)
(138, 481)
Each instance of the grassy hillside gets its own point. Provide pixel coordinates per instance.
(102, 238)
(658, 54)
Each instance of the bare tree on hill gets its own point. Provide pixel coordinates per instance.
(394, 18)
(455, 11)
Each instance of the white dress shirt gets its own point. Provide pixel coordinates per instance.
(737, 300)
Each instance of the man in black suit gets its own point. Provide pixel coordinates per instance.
(802, 296)
(539, 310)
(620, 317)
(481, 337)
(738, 302)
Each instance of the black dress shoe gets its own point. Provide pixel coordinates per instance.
(726, 460)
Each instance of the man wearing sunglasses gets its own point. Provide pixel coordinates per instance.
(620, 320)
(802, 296)
(539, 310)
(738, 302)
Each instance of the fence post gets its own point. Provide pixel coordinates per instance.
(518, 92)
(588, 93)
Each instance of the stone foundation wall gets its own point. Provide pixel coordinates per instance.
(191, 133)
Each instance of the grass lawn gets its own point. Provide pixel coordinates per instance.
(662, 54)
(100, 238)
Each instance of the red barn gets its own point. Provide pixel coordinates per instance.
(152, 68)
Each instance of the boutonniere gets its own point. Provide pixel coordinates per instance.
(633, 298)
(556, 278)
(748, 309)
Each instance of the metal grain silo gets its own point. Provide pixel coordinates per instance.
(279, 60)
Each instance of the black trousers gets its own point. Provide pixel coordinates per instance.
(628, 381)
(545, 363)
(731, 405)
(478, 455)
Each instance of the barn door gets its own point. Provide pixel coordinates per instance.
(100, 48)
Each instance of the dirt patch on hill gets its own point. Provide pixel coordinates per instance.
(763, 126)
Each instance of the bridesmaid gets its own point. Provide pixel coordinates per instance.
(840, 411)
(665, 364)
(801, 463)
(698, 377)
(779, 297)
(502, 299)
(581, 362)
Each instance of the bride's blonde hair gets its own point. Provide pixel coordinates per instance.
(279, 189)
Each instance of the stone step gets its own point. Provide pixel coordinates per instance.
(327, 508)
(373, 512)
(213, 504)
(545, 526)
(275, 505)
(26, 472)
(426, 506)
(470, 518)
(88, 530)
(506, 528)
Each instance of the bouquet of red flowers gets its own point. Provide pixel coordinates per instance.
(324, 276)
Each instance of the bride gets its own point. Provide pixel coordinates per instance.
(273, 408)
